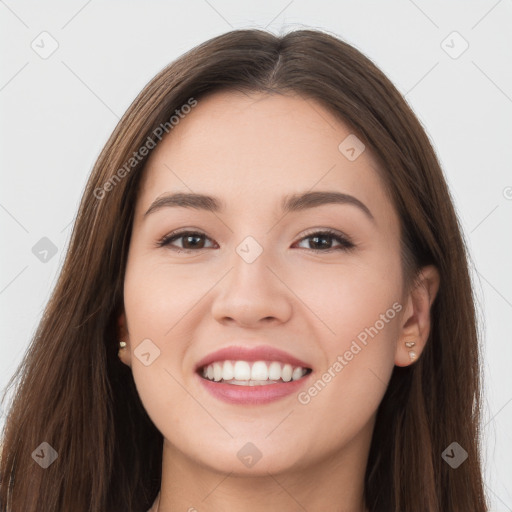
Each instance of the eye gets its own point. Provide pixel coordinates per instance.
(191, 240)
(194, 240)
(319, 237)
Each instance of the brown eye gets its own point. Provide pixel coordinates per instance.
(190, 240)
(322, 241)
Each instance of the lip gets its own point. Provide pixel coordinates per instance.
(251, 354)
(253, 395)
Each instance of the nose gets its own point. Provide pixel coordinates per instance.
(252, 295)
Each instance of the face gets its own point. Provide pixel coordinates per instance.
(251, 275)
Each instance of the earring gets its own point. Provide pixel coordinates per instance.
(412, 353)
(122, 344)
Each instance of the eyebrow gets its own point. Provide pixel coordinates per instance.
(290, 203)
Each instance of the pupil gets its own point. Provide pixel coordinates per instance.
(187, 238)
(316, 238)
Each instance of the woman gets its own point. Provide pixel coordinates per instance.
(265, 304)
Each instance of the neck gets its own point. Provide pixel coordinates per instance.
(335, 483)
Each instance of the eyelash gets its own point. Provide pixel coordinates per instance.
(345, 243)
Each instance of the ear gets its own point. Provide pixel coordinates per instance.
(416, 318)
(123, 335)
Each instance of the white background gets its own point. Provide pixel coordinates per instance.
(58, 112)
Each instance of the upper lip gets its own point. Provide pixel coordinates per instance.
(259, 353)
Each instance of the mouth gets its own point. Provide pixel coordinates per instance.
(252, 373)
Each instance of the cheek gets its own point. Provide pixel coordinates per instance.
(363, 311)
(349, 298)
(340, 301)
(358, 306)
(156, 301)
(157, 296)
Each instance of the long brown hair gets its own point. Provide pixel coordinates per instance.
(75, 394)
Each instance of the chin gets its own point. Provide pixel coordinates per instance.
(246, 456)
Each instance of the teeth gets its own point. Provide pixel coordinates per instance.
(297, 373)
(286, 374)
(251, 382)
(228, 372)
(217, 371)
(258, 373)
(242, 370)
(274, 371)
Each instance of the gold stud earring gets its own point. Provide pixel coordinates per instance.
(122, 344)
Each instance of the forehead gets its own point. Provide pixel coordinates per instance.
(253, 149)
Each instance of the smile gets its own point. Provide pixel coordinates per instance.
(256, 373)
(250, 375)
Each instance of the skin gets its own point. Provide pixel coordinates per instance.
(250, 151)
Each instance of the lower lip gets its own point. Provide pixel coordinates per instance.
(234, 394)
